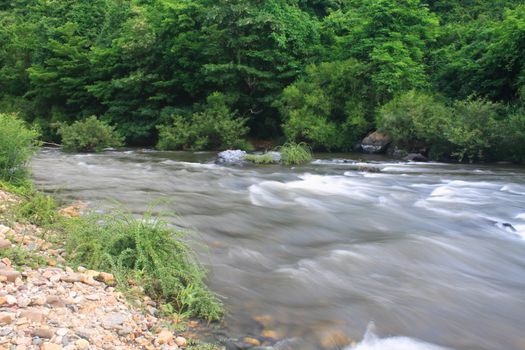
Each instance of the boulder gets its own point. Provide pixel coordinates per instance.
(231, 157)
(376, 142)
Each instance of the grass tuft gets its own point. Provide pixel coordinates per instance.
(295, 153)
(144, 252)
(259, 158)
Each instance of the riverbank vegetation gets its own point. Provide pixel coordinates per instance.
(206, 74)
(143, 254)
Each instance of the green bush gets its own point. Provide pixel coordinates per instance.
(146, 252)
(415, 120)
(89, 135)
(17, 144)
(476, 128)
(295, 153)
(327, 107)
(216, 127)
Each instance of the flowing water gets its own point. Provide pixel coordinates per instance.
(432, 251)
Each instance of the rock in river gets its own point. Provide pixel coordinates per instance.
(376, 142)
(231, 157)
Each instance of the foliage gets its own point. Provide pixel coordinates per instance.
(475, 128)
(216, 127)
(327, 108)
(88, 135)
(317, 71)
(295, 153)
(21, 257)
(414, 120)
(17, 144)
(145, 251)
(37, 208)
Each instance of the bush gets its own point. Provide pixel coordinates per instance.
(145, 252)
(89, 135)
(327, 108)
(216, 127)
(295, 153)
(477, 127)
(17, 144)
(415, 120)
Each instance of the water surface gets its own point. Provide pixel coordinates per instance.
(429, 251)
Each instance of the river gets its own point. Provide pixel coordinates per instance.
(430, 251)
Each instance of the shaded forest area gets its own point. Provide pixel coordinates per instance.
(443, 77)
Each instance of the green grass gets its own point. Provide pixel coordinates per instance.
(295, 153)
(145, 252)
(259, 158)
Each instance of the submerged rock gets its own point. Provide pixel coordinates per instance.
(415, 157)
(376, 142)
(232, 157)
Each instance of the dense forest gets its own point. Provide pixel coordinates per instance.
(443, 77)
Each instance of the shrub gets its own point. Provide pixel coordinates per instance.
(216, 127)
(295, 153)
(415, 120)
(89, 135)
(475, 128)
(17, 144)
(327, 108)
(146, 252)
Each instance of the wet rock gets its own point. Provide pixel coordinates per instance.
(335, 339)
(252, 341)
(376, 142)
(231, 157)
(113, 320)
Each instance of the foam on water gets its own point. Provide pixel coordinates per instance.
(373, 342)
(520, 216)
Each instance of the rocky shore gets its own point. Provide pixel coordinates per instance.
(48, 306)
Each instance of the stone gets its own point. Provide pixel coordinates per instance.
(5, 244)
(6, 318)
(181, 341)
(70, 277)
(107, 278)
(252, 341)
(45, 333)
(62, 331)
(82, 344)
(55, 301)
(231, 157)
(270, 334)
(376, 142)
(164, 337)
(11, 275)
(113, 320)
(335, 339)
(33, 315)
(50, 346)
(10, 300)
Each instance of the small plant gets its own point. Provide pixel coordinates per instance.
(145, 252)
(260, 158)
(17, 144)
(89, 135)
(295, 153)
(21, 257)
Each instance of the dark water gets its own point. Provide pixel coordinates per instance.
(423, 250)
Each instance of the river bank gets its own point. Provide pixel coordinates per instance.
(45, 304)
